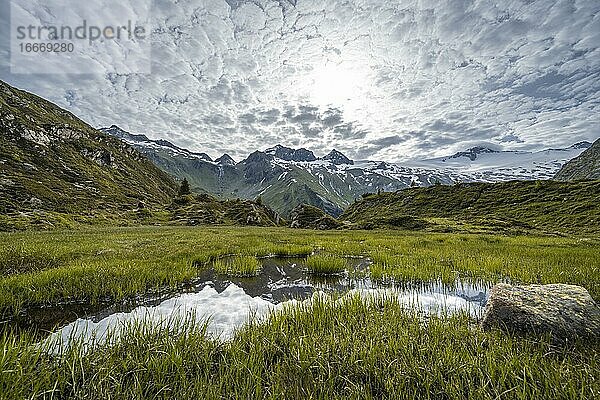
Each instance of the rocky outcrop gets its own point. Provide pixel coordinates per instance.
(204, 209)
(565, 312)
(102, 157)
(305, 216)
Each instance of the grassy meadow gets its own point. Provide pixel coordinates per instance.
(110, 264)
(353, 349)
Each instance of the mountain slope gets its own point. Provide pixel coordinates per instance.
(540, 205)
(50, 160)
(586, 166)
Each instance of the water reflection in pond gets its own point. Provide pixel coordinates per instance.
(283, 279)
(229, 302)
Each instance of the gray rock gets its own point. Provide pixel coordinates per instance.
(35, 202)
(103, 158)
(38, 137)
(564, 312)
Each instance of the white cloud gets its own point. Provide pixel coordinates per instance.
(435, 75)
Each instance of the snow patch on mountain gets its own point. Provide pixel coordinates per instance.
(486, 165)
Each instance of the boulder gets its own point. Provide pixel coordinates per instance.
(565, 312)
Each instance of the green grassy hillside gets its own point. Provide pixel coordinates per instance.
(52, 161)
(543, 205)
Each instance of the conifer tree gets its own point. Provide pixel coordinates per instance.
(184, 189)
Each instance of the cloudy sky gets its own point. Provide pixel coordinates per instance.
(379, 79)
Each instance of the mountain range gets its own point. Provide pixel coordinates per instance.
(55, 170)
(284, 177)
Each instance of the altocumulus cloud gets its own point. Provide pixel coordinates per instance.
(375, 78)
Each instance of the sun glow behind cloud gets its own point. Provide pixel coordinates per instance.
(335, 85)
(374, 78)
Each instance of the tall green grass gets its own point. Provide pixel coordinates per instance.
(282, 250)
(18, 258)
(242, 266)
(323, 350)
(325, 264)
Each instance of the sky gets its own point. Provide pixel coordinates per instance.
(376, 79)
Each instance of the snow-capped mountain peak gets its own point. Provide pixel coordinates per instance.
(582, 145)
(289, 154)
(337, 158)
(225, 159)
(114, 130)
(473, 153)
